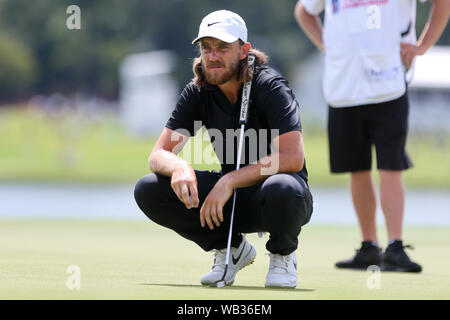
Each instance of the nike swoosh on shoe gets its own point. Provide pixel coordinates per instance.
(236, 260)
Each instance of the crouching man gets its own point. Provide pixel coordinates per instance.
(272, 193)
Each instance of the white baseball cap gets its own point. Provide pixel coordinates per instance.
(223, 25)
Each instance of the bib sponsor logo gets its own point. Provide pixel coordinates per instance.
(358, 3)
(382, 75)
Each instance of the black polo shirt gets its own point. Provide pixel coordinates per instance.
(273, 110)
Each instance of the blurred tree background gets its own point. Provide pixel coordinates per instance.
(38, 54)
(59, 88)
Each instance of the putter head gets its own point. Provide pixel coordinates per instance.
(219, 284)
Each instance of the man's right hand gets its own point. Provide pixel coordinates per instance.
(164, 160)
(184, 184)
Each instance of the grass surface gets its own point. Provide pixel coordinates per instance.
(83, 148)
(139, 260)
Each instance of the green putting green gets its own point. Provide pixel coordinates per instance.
(140, 260)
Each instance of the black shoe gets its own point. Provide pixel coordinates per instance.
(368, 255)
(396, 259)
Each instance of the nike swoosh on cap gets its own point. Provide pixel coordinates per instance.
(210, 24)
(235, 260)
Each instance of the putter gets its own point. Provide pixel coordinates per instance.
(242, 121)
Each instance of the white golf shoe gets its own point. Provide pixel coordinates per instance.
(282, 271)
(239, 258)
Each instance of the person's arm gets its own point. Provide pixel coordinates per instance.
(437, 21)
(311, 25)
(164, 160)
(289, 157)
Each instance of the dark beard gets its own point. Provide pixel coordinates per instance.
(226, 76)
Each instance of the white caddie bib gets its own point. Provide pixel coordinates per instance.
(362, 52)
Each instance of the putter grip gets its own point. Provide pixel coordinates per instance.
(246, 93)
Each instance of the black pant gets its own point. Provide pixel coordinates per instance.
(280, 205)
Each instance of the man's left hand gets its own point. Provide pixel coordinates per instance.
(211, 212)
(408, 52)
